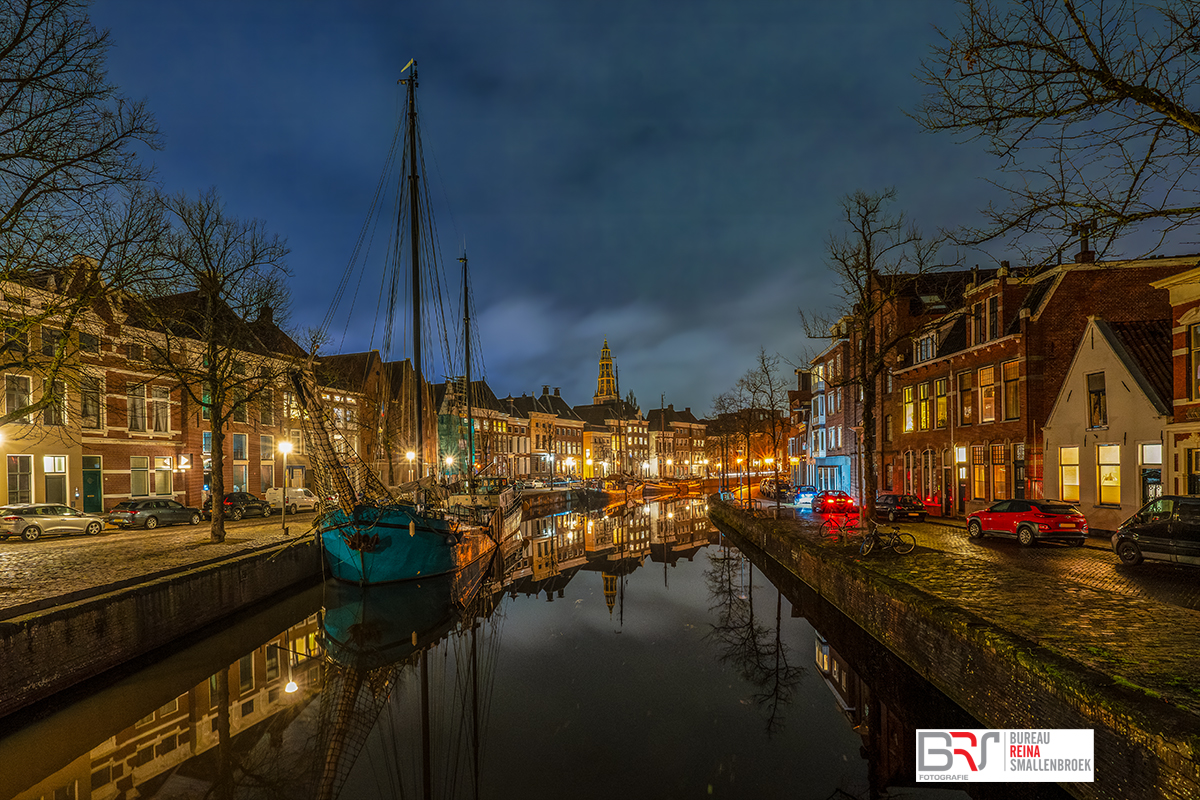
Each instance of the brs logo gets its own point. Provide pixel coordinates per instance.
(954, 744)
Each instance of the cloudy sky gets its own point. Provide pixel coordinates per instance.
(661, 174)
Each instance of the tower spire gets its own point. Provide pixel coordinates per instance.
(606, 384)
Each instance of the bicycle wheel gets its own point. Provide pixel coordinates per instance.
(868, 544)
(831, 528)
(904, 543)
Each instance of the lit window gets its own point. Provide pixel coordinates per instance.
(1108, 461)
(987, 394)
(909, 409)
(1097, 402)
(1068, 467)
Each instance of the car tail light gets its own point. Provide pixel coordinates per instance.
(11, 519)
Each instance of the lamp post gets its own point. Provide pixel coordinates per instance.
(410, 455)
(285, 448)
(449, 467)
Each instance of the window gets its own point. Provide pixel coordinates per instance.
(941, 408)
(999, 472)
(89, 401)
(89, 342)
(966, 399)
(909, 409)
(266, 459)
(20, 479)
(239, 405)
(1108, 461)
(924, 348)
(139, 476)
(206, 401)
(993, 317)
(977, 329)
(887, 427)
(246, 673)
(162, 475)
(1011, 373)
(241, 449)
(241, 474)
(50, 339)
(161, 408)
(16, 394)
(1068, 469)
(206, 443)
(16, 340)
(56, 412)
(134, 352)
(266, 407)
(1097, 403)
(987, 394)
(297, 437)
(979, 472)
(136, 400)
(923, 418)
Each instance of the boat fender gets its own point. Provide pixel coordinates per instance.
(412, 527)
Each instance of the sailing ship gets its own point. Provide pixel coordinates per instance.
(375, 638)
(369, 534)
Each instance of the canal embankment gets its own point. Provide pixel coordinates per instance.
(72, 610)
(1018, 649)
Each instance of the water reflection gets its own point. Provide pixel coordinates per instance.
(669, 681)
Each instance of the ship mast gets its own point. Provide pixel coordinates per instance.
(415, 243)
(469, 466)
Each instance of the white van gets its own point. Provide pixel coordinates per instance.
(297, 499)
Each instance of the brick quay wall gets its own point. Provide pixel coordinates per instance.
(49, 650)
(1146, 746)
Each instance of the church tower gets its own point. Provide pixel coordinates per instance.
(606, 384)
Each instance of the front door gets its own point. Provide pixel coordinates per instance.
(93, 492)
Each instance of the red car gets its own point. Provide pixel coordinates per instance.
(1030, 521)
(834, 502)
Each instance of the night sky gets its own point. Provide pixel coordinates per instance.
(663, 174)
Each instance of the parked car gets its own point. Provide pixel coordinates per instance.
(298, 499)
(834, 502)
(1030, 521)
(894, 507)
(152, 513)
(1165, 529)
(776, 490)
(31, 521)
(804, 495)
(240, 504)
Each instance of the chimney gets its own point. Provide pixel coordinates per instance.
(556, 394)
(545, 391)
(1085, 255)
(266, 315)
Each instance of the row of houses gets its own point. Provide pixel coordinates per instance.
(123, 424)
(1078, 382)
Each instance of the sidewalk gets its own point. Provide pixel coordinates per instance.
(50, 572)
(1138, 625)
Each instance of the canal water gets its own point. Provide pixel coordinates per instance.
(624, 653)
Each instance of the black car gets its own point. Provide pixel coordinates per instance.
(152, 513)
(240, 504)
(894, 507)
(1166, 529)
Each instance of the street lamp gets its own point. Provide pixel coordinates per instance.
(285, 447)
(410, 455)
(449, 467)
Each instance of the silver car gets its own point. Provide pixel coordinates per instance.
(32, 520)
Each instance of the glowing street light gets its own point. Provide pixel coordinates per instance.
(285, 447)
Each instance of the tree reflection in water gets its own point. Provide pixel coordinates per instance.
(744, 642)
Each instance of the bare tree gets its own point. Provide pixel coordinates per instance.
(210, 319)
(877, 257)
(74, 206)
(1090, 104)
(768, 393)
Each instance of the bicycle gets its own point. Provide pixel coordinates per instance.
(902, 543)
(836, 526)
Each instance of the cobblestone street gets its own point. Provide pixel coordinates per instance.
(56, 570)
